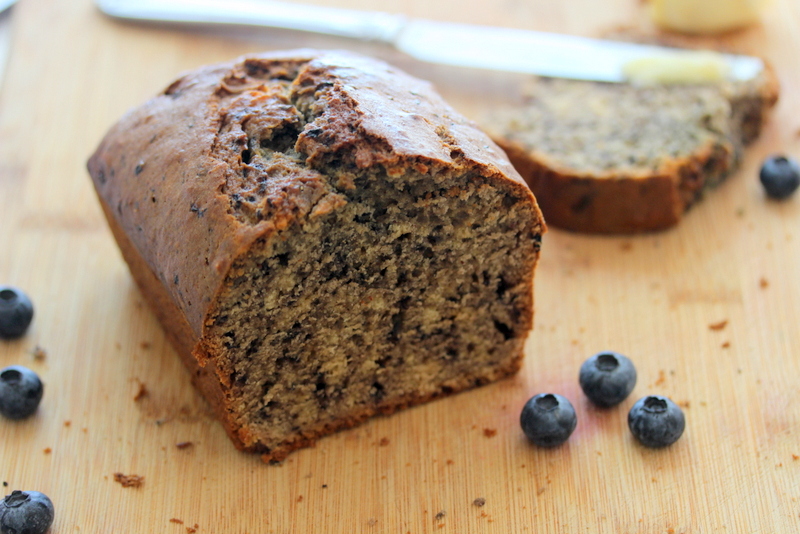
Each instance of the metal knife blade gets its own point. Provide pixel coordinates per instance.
(465, 45)
(5, 34)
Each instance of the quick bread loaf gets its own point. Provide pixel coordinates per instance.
(622, 158)
(322, 238)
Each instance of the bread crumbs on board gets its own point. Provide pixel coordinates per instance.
(662, 377)
(718, 326)
(141, 393)
(489, 432)
(129, 481)
(39, 354)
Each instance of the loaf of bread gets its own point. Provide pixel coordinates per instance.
(622, 158)
(322, 238)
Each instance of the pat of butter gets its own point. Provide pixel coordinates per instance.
(686, 67)
(705, 16)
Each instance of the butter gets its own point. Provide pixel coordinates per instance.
(684, 67)
(705, 16)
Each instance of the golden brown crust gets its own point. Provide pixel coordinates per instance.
(619, 204)
(178, 331)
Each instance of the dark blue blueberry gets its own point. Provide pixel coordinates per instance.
(26, 512)
(780, 176)
(607, 378)
(548, 419)
(20, 392)
(656, 421)
(16, 312)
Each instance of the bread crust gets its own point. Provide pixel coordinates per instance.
(164, 190)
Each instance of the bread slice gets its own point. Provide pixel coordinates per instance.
(620, 158)
(323, 239)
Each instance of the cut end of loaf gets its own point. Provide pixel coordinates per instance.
(411, 289)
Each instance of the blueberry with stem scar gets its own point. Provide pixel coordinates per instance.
(656, 421)
(26, 512)
(607, 378)
(548, 419)
(16, 312)
(21, 391)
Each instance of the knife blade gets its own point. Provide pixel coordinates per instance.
(5, 34)
(464, 45)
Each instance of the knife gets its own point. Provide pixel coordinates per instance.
(464, 45)
(5, 34)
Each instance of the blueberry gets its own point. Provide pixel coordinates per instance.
(656, 421)
(26, 512)
(780, 176)
(16, 312)
(607, 378)
(20, 392)
(548, 419)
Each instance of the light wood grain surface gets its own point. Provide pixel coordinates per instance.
(72, 72)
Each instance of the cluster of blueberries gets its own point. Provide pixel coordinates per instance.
(21, 390)
(607, 378)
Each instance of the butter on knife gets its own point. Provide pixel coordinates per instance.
(683, 67)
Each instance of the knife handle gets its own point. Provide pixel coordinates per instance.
(365, 25)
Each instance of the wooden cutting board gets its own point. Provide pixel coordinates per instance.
(118, 401)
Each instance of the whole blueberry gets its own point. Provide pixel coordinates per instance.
(548, 419)
(780, 176)
(16, 312)
(607, 378)
(26, 512)
(656, 421)
(20, 392)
